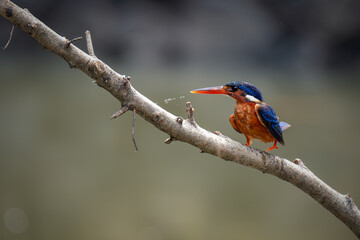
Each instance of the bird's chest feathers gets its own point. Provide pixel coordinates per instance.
(245, 113)
(248, 122)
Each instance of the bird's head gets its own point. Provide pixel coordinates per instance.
(241, 91)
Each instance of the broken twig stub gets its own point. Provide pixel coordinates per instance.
(190, 112)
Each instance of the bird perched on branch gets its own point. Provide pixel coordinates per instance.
(252, 117)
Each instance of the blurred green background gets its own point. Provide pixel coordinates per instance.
(69, 172)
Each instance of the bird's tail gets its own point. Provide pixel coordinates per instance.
(284, 125)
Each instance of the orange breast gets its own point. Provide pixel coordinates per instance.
(248, 123)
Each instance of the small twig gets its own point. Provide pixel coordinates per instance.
(122, 110)
(190, 112)
(133, 130)
(89, 44)
(169, 140)
(11, 33)
(73, 40)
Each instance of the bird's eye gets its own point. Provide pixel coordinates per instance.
(231, 88)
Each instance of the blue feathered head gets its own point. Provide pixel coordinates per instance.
(246, 87)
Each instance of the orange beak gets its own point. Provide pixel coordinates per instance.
(210, 90)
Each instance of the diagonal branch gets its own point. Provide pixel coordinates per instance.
(342, 206)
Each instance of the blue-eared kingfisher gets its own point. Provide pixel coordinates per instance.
(252, 117)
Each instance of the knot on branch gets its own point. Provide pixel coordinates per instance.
(157, 118)
(179, 120)
(97, 69)
(9, 12)
(30, 28)
(349, 202)
(298, 161)
(125, 81)
(218, 133)
(169, 140)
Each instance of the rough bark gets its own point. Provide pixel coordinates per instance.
(185, 130)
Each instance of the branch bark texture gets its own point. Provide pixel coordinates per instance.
(185, 130)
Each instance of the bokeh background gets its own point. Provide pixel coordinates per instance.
(69, 172)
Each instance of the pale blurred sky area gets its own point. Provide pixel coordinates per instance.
(69, 172)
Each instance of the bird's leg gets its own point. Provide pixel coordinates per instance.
(273, 147)
(248, 141)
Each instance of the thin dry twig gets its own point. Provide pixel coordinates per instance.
(73, 40)
(133, 130)
(11, 33)
(89, 44)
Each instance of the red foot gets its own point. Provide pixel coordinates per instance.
(273, 147)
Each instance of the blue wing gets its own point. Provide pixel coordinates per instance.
(268, 117)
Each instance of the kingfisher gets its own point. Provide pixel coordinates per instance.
(252, 116)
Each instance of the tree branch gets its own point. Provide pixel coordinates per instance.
(342, 206)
